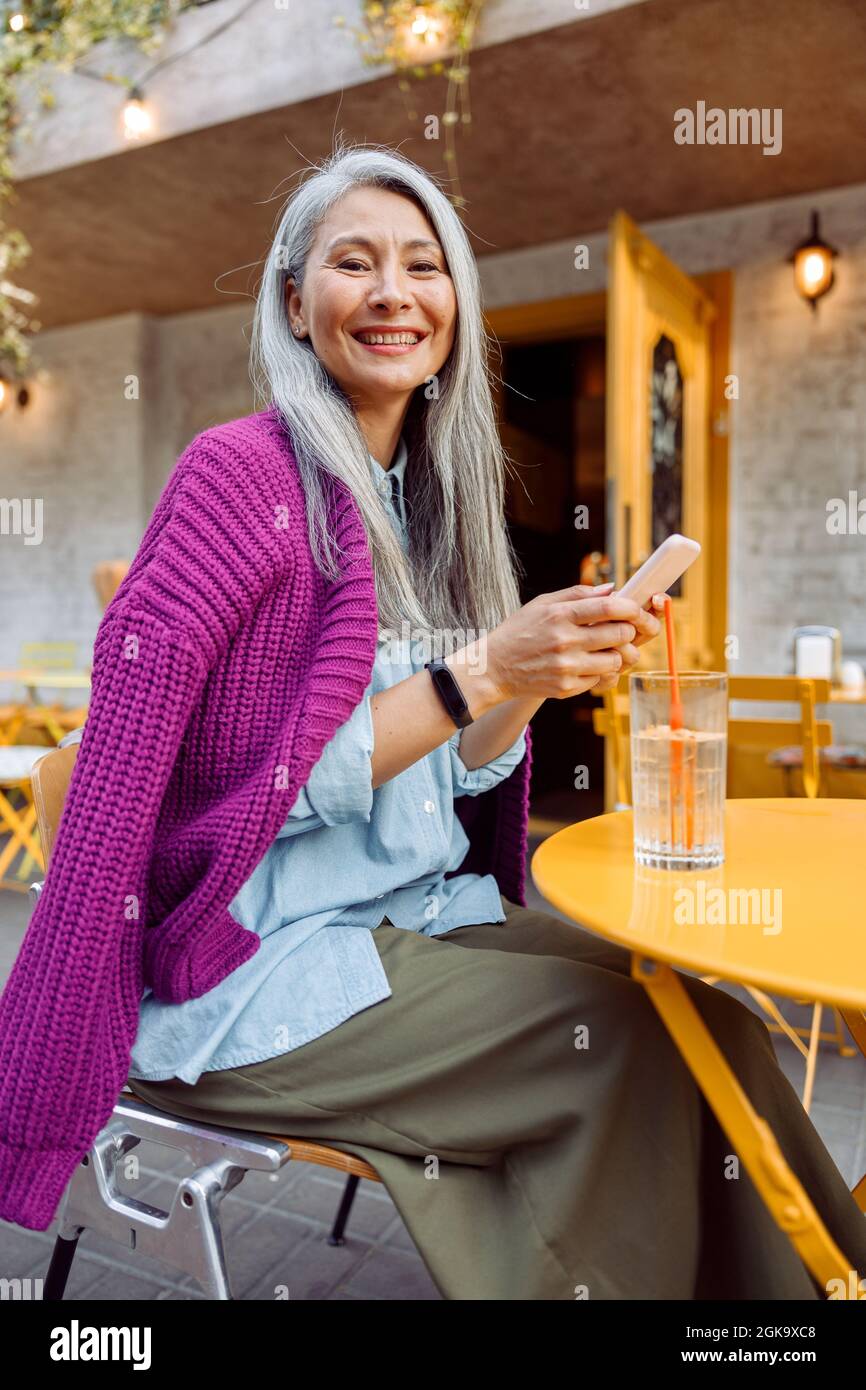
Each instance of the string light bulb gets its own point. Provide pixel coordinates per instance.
(137, 117)
(425, 28)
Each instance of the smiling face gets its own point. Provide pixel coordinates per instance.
(378, 303)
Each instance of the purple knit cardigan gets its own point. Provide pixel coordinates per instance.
(222, 666)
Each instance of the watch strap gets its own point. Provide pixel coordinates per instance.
(449, 692)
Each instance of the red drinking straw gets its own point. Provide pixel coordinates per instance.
(676, 725)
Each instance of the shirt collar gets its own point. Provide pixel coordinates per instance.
(398, 467)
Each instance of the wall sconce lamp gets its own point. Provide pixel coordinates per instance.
(13, 391)
(813, 265)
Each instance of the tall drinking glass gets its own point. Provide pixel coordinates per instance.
(678, 776)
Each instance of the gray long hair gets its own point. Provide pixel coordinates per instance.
(460, 569)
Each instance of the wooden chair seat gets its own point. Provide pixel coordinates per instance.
(326, 1157)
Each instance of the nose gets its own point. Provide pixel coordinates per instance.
(393, 287)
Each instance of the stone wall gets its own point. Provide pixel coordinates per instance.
(99, 460)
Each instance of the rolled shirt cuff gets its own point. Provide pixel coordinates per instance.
(471, 781)
(339, 789)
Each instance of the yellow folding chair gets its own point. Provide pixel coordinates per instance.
(21, 724)
(12, 720)
(18, 822)
(52, 720)
(809, 733)
(48, 656)
(856, 1021)
(107, 578)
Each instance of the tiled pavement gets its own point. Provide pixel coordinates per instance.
(276, 1226)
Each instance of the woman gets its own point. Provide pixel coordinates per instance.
(328, 1002)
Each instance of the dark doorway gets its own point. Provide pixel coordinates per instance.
(552, 425)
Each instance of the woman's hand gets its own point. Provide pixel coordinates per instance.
(610, 682)
(564, 643)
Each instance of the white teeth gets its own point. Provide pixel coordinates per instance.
(395, 338)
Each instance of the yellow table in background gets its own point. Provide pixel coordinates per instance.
(805, 938)
(16, 714)
(33, 677)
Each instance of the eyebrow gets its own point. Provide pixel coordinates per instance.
(359, 240)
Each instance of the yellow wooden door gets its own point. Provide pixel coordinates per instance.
(658, 426)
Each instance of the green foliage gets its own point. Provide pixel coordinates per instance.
(388, 38)
(56, 34)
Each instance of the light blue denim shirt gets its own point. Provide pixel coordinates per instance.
(347, 856)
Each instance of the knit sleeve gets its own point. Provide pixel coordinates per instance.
(69, 1011)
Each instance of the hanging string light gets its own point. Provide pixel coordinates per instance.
(137, 116)
(37, 33)
(421, 39)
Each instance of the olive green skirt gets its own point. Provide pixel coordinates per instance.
(533, 1121)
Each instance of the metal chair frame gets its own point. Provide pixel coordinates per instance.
(188, 1236)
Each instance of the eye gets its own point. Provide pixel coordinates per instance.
(352, 263)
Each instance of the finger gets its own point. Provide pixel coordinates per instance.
(647, 620)
(603, 663)
(579, 591)
(594, 637)
(630, 655)
(647, 625)
(605, 683)
(605, 608)
(644, 637)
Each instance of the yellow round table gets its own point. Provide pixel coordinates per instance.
(55, 680)
(786, 912)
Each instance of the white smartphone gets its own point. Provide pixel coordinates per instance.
(661, 570)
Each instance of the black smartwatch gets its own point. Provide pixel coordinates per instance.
(449, 692)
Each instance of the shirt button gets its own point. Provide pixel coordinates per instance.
(429, 807)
